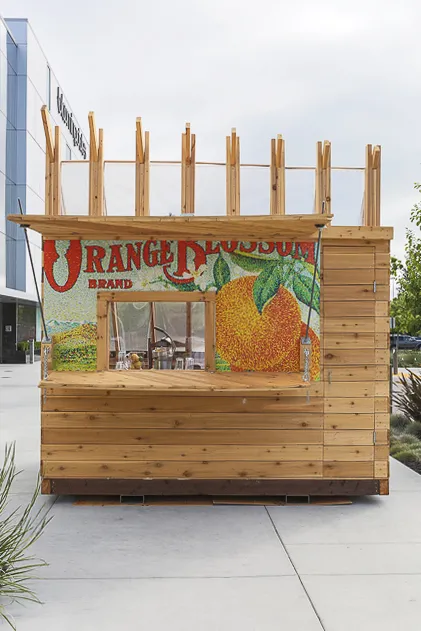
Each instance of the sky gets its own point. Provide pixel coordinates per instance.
(338, 70)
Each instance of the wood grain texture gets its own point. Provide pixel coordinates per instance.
(183, 404)
(171, 469)
(126, 453)
(135, 436)
(348, 470)
(348, 421)
(181, 420)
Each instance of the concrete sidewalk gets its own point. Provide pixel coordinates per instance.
(225, 568)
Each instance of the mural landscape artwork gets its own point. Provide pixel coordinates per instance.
(263, 294)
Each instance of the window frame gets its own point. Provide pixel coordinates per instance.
(105, 298)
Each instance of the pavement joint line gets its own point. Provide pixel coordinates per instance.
(316, 613)
(161, 578)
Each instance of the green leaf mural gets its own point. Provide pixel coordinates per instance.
(191, 286)
(220, 364)
(221, 272)
(266, 285)
(302, 288)
(250, 263)
(310, 268)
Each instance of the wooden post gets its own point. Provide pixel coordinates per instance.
(319, 176)
(326, 177)
(56, 210)
(277, 176)
(49, 160)
(376, 184)
(100, 174)
(93, 165)
(188, 166)
(146, 209)
(142, 171)
(233, 173)
(368, 195)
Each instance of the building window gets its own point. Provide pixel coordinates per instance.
(49, 87)
(68, 152)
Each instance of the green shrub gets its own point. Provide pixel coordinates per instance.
(408, 440)
(410, 459)
(408, 399)
(399, 422)
(414, 429)
(18, 532)
(408, 359)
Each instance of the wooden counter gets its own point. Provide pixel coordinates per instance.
(175, 381)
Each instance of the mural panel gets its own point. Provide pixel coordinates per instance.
(263, 295)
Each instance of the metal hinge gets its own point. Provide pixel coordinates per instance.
(374, 438)
(374, 286)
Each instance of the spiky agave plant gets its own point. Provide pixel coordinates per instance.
(18, 531)
(408, 399)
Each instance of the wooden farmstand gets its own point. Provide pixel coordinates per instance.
(213, 355)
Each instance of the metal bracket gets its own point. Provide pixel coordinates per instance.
(374, 286)
(374, 437)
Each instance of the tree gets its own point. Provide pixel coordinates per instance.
(406, 307)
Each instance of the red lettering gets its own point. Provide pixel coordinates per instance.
(266, 248)
(92, 284)
(229, 246)
(150, 256)
(249, 248)
(211, 249)
(102, 283)
(166, 256)
(116, 262)
(199, 256)
(133, 255)
(119, 283)
(284, 248)
(73, 257)
(94, 256)
(306, 250)
(128, 284)
(110, 284)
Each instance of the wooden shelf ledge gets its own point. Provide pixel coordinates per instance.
(175, 382)
(256, 228)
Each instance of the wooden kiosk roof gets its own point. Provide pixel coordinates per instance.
(258, 228)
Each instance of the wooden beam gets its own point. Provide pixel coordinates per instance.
(277, 176)
(188, 166)
(272, 177)
(100, 174)
(146, 209)
(326, 177)
(193, 174)
(93, 167)
(368, 197)
(377, 184)
(228, 174)
(319, 177)
(183, 173)
(140, 170)
(233, 173)
(48, 132)
(56, 210)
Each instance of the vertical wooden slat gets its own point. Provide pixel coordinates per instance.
(187, 181)
(368, 219)
(93, 158)
(237, 178)
(188, 327)
(228, 174)
(146, 209)
(140, 169)
(281, 178)
(57, 173)
(376, 184)
(193, 173)
(183, 172)
(100, 174)
(273, 183)
(319, 185)
(326, 177)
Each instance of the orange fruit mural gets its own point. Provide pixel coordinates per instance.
(251, 340)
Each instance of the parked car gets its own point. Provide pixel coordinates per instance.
(405, 342)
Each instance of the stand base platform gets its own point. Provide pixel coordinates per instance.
(272, 488)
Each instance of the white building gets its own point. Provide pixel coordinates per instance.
(26, 83)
